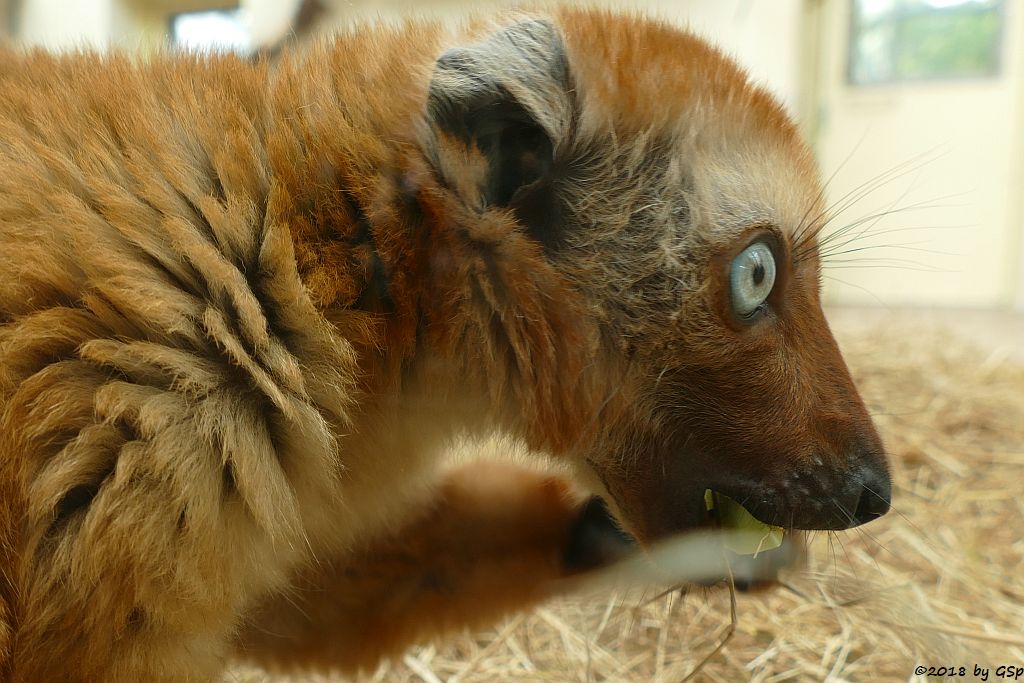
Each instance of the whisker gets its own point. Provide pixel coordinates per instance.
(867, 291)
(846, 513)
(905, 246)
(857, 194)
(918, 530)
(830, 535)
(914, 228)
(804, 224)
(876, 216)
(894, 173)
(872, 219)
(896, 264)
(868, 538)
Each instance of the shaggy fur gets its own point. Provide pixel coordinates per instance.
(243, 308)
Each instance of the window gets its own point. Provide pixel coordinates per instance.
(910, 40)
(218, 30)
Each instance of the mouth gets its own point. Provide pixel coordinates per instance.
(756, 552)
(721, 541)
(742, 533)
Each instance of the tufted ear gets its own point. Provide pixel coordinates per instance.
(499, 111)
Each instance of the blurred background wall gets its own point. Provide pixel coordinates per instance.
(915, 109)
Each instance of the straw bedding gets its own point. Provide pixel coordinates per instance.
(938, 582)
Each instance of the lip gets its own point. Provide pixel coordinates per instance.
(667, 502)
(821, 499)
(693, 552)
(757, 571)
(711, 519)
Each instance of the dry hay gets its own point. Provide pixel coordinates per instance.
(939, 581)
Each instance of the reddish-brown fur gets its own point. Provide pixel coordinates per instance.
(243, 309)
(461, 562)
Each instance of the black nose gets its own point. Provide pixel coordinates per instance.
(823, 496)
(842, 497)
(875, 495)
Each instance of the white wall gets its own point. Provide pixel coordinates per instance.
(1016, 178)
(66, 24)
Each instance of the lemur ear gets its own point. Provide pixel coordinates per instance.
(499, 111)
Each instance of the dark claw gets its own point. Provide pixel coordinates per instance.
(595, 539)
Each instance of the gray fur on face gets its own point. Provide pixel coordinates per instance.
(662, 200)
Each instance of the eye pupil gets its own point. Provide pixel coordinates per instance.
(751, 279)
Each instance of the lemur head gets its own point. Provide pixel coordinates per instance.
(676, 209)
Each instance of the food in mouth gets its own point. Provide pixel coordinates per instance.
(745, 534)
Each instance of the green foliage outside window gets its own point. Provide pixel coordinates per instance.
(906, 40)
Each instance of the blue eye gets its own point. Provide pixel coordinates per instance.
(751, 278)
